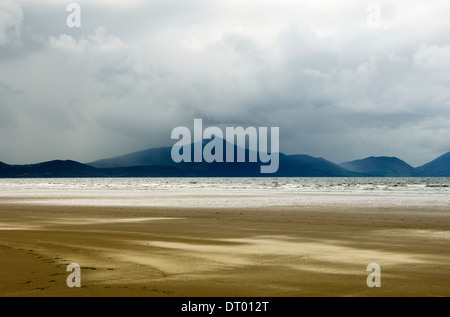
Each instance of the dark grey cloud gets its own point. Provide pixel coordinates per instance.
(336, 87)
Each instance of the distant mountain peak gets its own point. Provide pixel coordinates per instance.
(380, 166)
(60, 162)
(437, 167)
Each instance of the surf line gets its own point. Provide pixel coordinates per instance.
(213, 150)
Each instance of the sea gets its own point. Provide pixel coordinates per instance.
(230, 192)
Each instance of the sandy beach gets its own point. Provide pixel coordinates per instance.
(292, 250)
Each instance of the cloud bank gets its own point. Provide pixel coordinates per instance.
(335, 86)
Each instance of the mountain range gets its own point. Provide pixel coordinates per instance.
(157, 162)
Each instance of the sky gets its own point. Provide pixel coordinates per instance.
(342, 80)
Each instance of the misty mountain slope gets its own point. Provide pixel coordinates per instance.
(437, 167)
(289, 165)
(305, 165)
(155, 156)
(380, 166)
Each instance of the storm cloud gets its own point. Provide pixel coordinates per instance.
(336, 86)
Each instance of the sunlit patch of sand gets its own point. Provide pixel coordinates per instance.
(169, 264)
(180, 257)
(415, 233)
(327, 251)
(38, 224)
(41, 223)
(94, 221)
(183, 261)
(7, 226)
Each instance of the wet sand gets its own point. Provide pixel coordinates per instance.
(265, 251)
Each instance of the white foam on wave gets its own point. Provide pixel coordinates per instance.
(229, 192)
